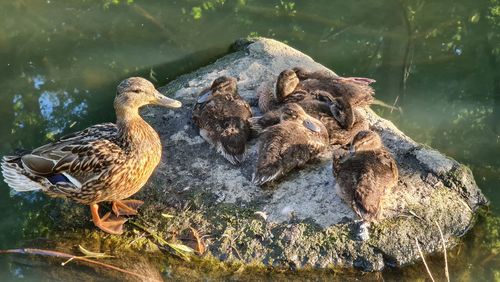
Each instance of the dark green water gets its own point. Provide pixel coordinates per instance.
(439, 61)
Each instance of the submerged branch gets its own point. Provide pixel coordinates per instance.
(41, 252)
(169, 35)
(385, 105)
(446, 272)
(423, 259)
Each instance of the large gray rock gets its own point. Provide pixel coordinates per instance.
(307, 224)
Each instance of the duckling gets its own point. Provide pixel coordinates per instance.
(105, 162)
(364, 176)
(286, 84)
(297, 139)
(345, 124)
(287, 91)
(341, 121)
(297, 84)
(222, 117)
(356, 90)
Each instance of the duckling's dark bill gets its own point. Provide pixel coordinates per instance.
(203, 98)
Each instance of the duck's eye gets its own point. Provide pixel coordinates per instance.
(136, 90)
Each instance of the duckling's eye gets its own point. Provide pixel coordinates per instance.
(135, 90)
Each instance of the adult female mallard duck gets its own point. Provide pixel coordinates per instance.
(105, 162)
(364, 176)
(297, 139)
(222, 117)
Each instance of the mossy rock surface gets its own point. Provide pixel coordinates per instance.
(307, 225)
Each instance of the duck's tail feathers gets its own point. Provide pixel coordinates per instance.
(234, 159)
(266, 175)
(233, 139)
(10, 158)
(259, 124)
(16, 177)
(255, 125)
(361, 80)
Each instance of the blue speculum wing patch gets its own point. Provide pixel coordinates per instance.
(56, 178)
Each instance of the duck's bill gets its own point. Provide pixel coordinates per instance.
(311, 125)
(162, 100)
(204, 97)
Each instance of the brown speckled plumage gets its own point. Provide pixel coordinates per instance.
(341, 121)
(356, 90)
(345, 123)
(294, 141)
(366, 175)
(105, 162)
(294, 85)
(287, 90)
(222, 117)
(337, 114)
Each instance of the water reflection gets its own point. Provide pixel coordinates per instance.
(61, 61)
(52, 104)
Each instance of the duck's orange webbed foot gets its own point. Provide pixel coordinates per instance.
(108, 223)
(126, 207)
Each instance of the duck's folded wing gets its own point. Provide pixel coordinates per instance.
(269, 163)
(243, 108)
(75, 163)
(389, 168)
(59, 148)
(368, 195)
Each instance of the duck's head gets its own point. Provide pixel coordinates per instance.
(294, 112)
(365, 140)
(342, 112)
(301, 73)
(224, 84)
(135, 92)
(286, 84)
(221, 85)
